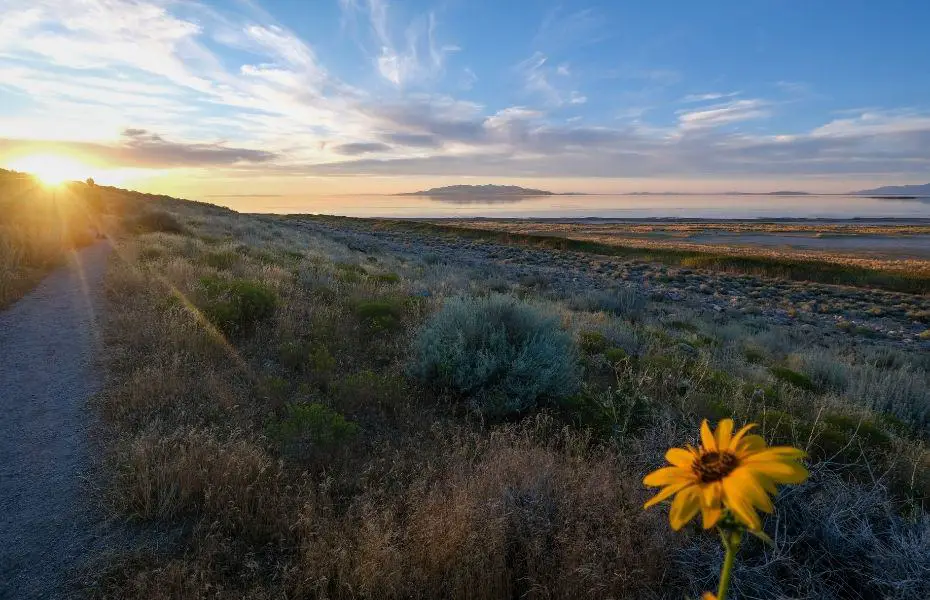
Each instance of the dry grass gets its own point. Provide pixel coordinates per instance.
(38, 228)
(429, 499)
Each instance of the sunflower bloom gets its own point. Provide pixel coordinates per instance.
(727, 471)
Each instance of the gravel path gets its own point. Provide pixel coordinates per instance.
(48, 344)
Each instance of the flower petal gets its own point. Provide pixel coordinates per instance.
(684, 507)
(724, 433)
(668, 476)
(779, 471)
(778, 453)
(750, 444)
(736, 500)
(707, 438)
(666, 492)
(711, 494)
(680, 457)
(710, 516)
(753, 489)
(734, 443)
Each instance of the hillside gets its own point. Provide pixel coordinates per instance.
(897, 190)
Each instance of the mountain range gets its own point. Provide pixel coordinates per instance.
(481, 190)
(897, 190)
(516, 191)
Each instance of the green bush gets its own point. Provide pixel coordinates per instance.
(502, 354)
(309, 426)
(614, 412)
(236, 305)
(869, 433)
(153, 221)
(367, 389)
(380, 315)
(221, 259)
(592, 342)
(754, 355)
(387, 278)
(615, 355)
(794, 378)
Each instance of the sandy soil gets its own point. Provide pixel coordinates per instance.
(49, 341)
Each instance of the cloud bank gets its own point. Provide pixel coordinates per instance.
(167, 85)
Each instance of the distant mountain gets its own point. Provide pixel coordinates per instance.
(481, 190)
(897, 190)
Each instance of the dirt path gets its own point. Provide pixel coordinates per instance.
(49, 342)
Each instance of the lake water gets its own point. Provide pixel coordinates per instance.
(606, 206)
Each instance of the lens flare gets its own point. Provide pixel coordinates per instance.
(52, 169)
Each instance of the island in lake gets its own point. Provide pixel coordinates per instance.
(485, 190)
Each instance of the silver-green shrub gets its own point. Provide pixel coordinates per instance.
(502, 354)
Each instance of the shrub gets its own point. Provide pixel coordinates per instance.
(380, 315)
(309, 426)
(502, 354)
(152, 221)
(592, 342)
(387, 278)
(615, 355)
(221, 259)
(793, 377)
(903, 392)
(623, 301)
(835, 540)
(235, 306)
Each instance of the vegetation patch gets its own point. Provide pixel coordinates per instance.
(236, 305)
(153, 221)
(502, 354)
(592, 342)
(307, 428)
(794, 378)
(380, 315)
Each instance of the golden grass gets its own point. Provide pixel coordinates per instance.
(38, 228)
(428, 500)
(418, 507)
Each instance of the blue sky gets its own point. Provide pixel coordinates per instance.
(370, 95)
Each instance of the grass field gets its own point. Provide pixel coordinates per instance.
(290, 404)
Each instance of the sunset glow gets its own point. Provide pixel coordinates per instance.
(52, 169)
(206, 99)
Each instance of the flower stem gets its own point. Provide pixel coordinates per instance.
(731, 542)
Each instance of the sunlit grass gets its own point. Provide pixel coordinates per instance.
(52, 169)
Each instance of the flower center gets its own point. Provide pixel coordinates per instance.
(714, 466)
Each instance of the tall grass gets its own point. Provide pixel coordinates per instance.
(297, 458)
(38, 228)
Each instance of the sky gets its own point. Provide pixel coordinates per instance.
(239, 97)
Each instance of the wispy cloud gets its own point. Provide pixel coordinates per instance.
(145, 149)
(538, 75)
(148, 83)
(561, 29)
(708, 97)
(420, 57)
(723, 114)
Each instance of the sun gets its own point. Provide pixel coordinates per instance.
(51, 169)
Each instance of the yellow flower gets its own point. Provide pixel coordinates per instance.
(708, 596)
(736, 472)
